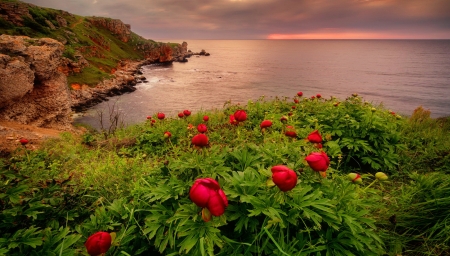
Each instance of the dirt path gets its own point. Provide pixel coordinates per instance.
(12, 132)
(76, 23)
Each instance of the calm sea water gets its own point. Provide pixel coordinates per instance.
(401, 74)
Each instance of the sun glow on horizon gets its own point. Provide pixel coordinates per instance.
(355, 35)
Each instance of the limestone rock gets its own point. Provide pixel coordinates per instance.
(32, 90)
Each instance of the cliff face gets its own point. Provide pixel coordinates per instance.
(32, 90)
(117, 27)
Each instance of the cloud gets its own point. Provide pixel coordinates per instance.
(256, 19)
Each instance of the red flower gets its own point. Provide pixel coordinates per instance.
(319, 96)
(186, 112)
(265, 124)
(283, 119)
(313, 97)
(149, 117)
(240, 115)
(161, 116)
(207, 193)
(290, 132)
(296, 101)
(167, 134)
(314, 137)
(319, 162)
(201, 128)
(290, 114)
(233, 120)
(180, 115)
(293, 107)
(318, 145)
(200, 140)
(299, 94)
(23, 141)
(206, 118)
(98, 243)
(284, 178)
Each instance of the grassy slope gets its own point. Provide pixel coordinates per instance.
(77, 36)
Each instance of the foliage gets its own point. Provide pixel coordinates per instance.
(134, 183)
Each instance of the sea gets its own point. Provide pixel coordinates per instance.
(399, 74)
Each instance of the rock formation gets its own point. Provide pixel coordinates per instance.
(117, 27)
(32, 90)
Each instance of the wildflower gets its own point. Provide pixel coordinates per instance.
(98, 243)
(284, 178)
(314, 137)
(206, 193)
(201, 128)
(299, 94)
(318, 161)
(180, 115)
(186, 112)
(24, 141)
(161, 116)
(290, 131)
(265, 124)
(240, 115)
(233, 120)
(205, 118)
(200, 140)
(167, 134)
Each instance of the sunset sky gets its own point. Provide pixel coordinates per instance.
(271, 19)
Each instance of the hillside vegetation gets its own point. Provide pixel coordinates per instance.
(103, 42)
(144, 185)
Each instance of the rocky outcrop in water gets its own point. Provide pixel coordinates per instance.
(32, 89)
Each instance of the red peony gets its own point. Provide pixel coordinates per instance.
(240, 115)
(200, 140)
(149, 117)
(201, 128)
(319, 162)
(24, 141)
(233, 120)
(299, 94)
(319, 96)
(284, 178)
(161, 116)
(98, 243)
(290, 132)
(315, 137)
(205, 118)
(296, 101)
(206, 193)
(186, 112)
(265, 124)
(180, 115)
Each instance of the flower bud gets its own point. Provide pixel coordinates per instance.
(381, 176)
(355, 178)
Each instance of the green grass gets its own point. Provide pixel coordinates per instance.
(135, 182)
(77, 37)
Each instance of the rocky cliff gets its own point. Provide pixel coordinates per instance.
(32, 90)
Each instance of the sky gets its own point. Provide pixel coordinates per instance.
(271, 19)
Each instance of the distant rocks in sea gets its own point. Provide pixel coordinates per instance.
(189, 53)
